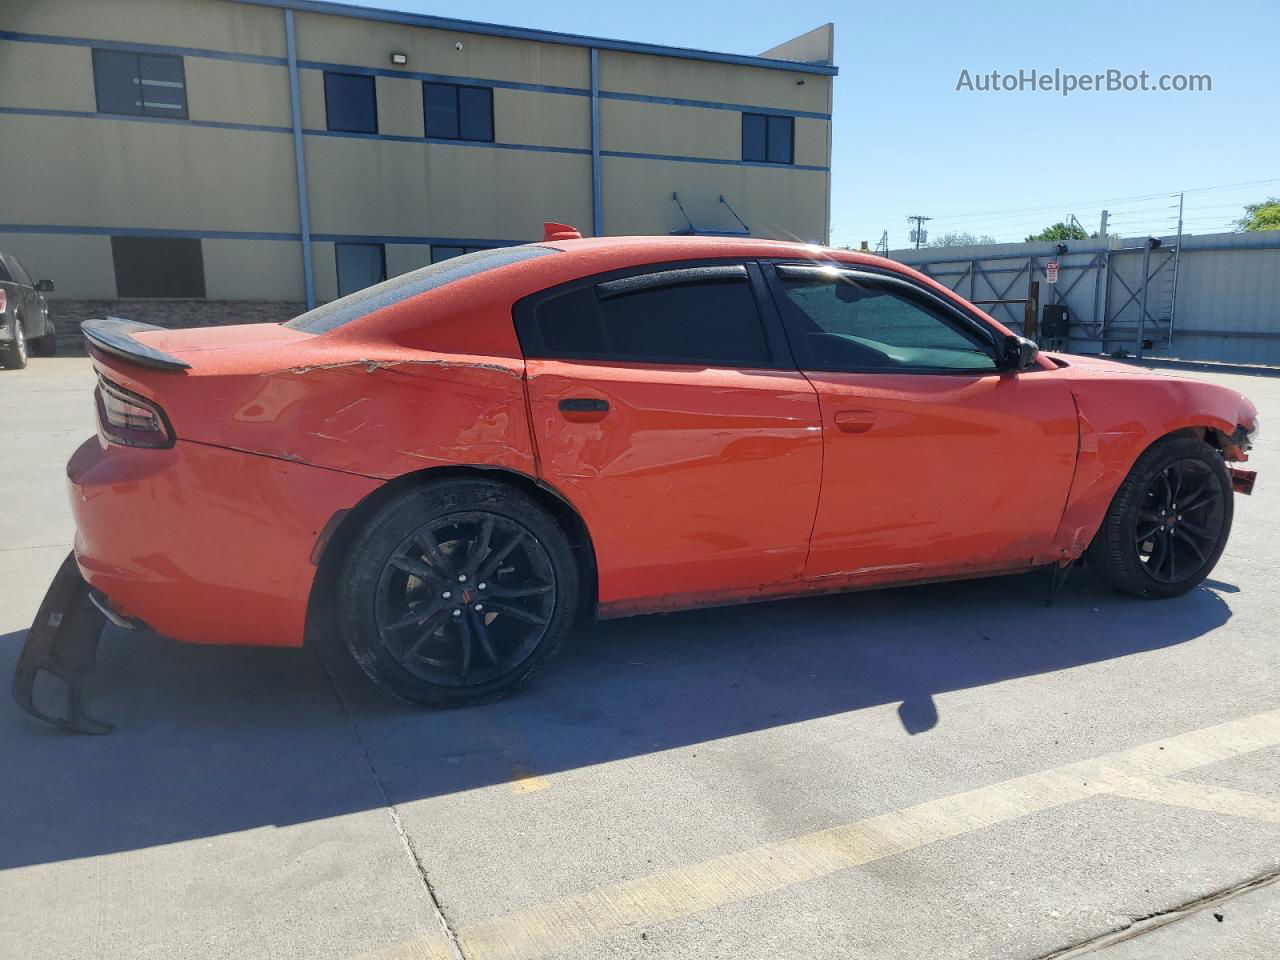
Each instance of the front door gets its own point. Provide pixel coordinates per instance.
(666, 410)
(936, 462)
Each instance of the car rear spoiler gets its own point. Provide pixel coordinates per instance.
(115, 336)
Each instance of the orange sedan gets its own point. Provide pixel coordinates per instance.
(452, 467)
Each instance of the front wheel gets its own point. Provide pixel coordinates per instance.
(455, 593)
(1169, 521)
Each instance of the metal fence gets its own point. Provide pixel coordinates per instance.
(1212, 297)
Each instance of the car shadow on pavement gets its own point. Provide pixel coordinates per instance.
(215, 740)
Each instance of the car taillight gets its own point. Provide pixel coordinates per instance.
(128, 419)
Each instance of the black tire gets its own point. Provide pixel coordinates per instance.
(47, 344)
(14, 356)
(423, 634)
(1147, 548)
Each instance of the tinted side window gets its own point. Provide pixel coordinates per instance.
(351, 105)
(710, 322)
(851, 324)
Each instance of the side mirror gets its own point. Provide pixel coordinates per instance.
(44, 286)
(1018, 354)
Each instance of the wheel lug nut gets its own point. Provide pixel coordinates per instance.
(462, 578)
(479, 607)
(482, 586)
(457, 613)
(446, 595)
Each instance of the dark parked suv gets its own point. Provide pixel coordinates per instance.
(24, 316)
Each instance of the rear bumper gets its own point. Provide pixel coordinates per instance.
(201, 543)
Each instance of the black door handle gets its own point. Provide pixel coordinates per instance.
(584, 405)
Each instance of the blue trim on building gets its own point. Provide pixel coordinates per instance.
(299, 162)
(712, 105)
(597, 192)
(86, 115)
(540, 36)
(141, 47)
(402, 138)
(441, 78)
(396, 138)
(64, 229)
(731, 163)
(61, 228)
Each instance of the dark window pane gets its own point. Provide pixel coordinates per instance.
(780, 131)
(753, 137)
(4, 272)
(158, 267)
(115, 78)
(440, 102)
(360, 265)
(849, 324)
(569, 325)
(365, 302)
(439, 253)
(712, 323)
(475, 109)
(350, 103)
(163, 86)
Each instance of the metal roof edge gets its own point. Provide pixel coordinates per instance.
(542, 36)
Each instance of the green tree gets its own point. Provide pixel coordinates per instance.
(1261, 216)
(1058, 232)
(960, 239)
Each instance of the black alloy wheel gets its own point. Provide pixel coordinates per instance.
(1169, 521)
(456, 592)
(465, 598)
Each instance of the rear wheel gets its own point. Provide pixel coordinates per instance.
(1169, 521)
(14, 356)
(457, 592)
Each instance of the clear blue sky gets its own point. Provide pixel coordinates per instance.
(1004, 164)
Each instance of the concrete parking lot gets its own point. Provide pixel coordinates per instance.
(944, 771)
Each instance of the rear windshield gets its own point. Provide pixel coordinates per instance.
(364, 302)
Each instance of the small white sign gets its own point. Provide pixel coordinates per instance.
(1051, 272)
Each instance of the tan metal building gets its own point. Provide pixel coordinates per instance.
(295, 149)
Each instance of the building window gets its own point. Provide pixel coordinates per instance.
(444, 252)
(768, 139)
(454, 112)
(360, 265)
(140, 84)
(158, 267)
(350, 103)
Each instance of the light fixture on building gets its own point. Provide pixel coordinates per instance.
(399, 59)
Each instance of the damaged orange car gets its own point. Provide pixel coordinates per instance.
(454, 466)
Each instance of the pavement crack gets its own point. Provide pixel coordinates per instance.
(1148, 923)
(455, 948)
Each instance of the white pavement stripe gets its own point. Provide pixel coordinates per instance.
(735, 877)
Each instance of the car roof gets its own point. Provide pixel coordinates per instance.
(676, 247)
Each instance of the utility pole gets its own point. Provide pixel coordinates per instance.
(918, 234)
(1102, 228)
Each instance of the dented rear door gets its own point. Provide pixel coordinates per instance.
(666, 408)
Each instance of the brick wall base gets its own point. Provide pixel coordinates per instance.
(69, 314)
